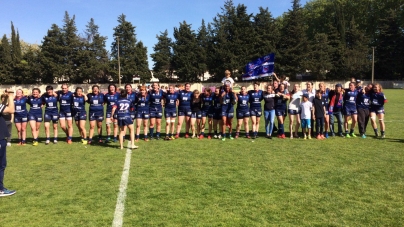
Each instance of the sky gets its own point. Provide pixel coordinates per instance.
(150, 17)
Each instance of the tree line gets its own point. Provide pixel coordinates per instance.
(324, 39)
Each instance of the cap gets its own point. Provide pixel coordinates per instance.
(338, 85)
(306, 95)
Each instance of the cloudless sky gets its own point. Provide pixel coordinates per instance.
(150, 17)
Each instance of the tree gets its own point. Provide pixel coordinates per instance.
(70, 50)
(266, 32)
(52, 55)
(185, 48)
(6, 68)
(203, 44)
(320, 56)
(162, 56)
(15, 45)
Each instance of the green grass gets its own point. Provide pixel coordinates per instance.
(185, 182)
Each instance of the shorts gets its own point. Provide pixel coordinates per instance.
(293, 112)
(65, 115)
(51, 117)
(256, 112)
(243, 114)
(96, 116)
(184, 111)
(377, 109)
(124, 121)
(280, 112)
(133, 115)
(208, 113)
(108, 115)
(80, 116)
(170, 113)
(217, 115)
(306, 123)
(228, 114)
(21, 119)
(348, 110)
(156, 113)
(35, 117)
(145, 114)
(197, 115)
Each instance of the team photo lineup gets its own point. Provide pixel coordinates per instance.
(312, 110)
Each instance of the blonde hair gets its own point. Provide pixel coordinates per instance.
(379, 86)
(227, 72)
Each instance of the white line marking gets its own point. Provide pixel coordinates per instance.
(120, 202)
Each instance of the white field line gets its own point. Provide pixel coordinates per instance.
(120, 202)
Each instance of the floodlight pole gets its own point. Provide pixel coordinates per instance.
(373, 64)
(119, 64)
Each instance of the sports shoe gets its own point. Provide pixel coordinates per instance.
(363, 136)
(151, 137)
(55, 141)
(193, 136)
(376, 134)
(201, 137)
(146, 139)
(167, 138)
(353, 135)
(305, 137)
(133, 147)
(157, 137)
(100, 141)
(215, 136)
(35, 143)
(231, 137)
(248, 137)
(322, 137)
(115, 140)
(223, 139)
(318, 137)
(173, 138)
(309, 137)
(236, 137)
(8, 144)
(383, 136)
(219, 136)
(186, 135)
(84, 142)
(89, 142)
(47, 142)
(6, 192)
(347, 136)
(341, 135)
(209, 137)
(283, 136)
(177, 136)
(69, 142)
(19, 143)
(23, 143)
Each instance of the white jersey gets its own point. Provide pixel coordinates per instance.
(228, 80)
(295, 100)
(312, 94)
(306, 110)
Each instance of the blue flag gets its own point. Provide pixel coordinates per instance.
(259, 68)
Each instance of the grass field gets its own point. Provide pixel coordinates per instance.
(190, 182)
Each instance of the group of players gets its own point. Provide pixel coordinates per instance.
(216, 108)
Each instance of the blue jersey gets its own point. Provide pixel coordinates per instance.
(110, 100)
(155, 99)
(185, 98)
(96, 102)
(242, 102)
(207, 102)
(20, 105)
(170, 100)
(65, 101)
(142, 103)
(123, 108)
(216, 102)
(79, 104)
(255, 99)
(363, 100)
(377, 99)
(35, 105)
(228, 100)
(280, 102)
(51, 104)
(350, 97)
(325, 97)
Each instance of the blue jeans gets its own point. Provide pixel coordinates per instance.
(337, 115)
(269, 121)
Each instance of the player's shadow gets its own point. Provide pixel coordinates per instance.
(395, 140)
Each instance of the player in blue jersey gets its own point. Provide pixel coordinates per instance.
(207, 112)
(96, 112)
(196, 116)
(281, 99)
(377, 101)
(51, 114)
(325, 97)
(217, 113)
(255, 108)
(35, 113)
(156, 110)
(132, 98)
(142, 103)
(21, 116)
(122, 110)
(349, 109)
(243, 112)
(184, 109)
(363, 107)
(170, 111)
(79, 113)
(65, 98)
(228, 99)
(110, 98)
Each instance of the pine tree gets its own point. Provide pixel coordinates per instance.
(338, 50)
(320, 57)
(203, 44)
(185, 49)
(71, 48)
(267, 33)
(52, 56)
(162, 56)
(5, 62)
(15, 45)
(142, 65)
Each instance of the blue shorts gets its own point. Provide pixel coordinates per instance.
(256, 112)
(124, 121)
(377, 109)
(217, 115)
(108, 114)
(197, 115)
(349, 110)
(306, 123)
(184, 111)
(293, 112)
(96, 116)
(63, 115)
(207, 113)
(80, 116)
(133, 115)
(51, 117)
(228, 114)
(243, 114)
(170, 113)
(156, 113)
(280, 112)
(35, 117)
(145, 114)
(21, 118)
